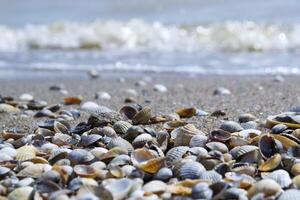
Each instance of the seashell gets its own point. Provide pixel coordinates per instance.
(121, 127)
(241, 180)
(175, 154)
(141, 140)
(271, 163)
(4, 171)
(73, 100)
(34, 170)
(198, 151)
(217, 146)
(183, 135)
(286, 142)
(6, 108)
(128, 169)
(191, 170)
(291, 194)
(85, 171)
(244, 169)
(115, 171)
(120, 142)
(249, 133)
(279, 128)
(231, 126)
(80, 156)
(296, 169)
(249, 125)
(26, 153)
(60, 128)
(133, 132)
(220, 135)
(296, 181)
(57, 154)
(211, 176)
(90, 139)
(296, 133)
(130, 110)
(186, 112)
(22, 193)
(160, 88)
(119, 188)
(155, 186)
(171, 125)
(8, 151)
(164, 174)
(202, 191)
(268, 146)
(113, 153)
(235, 193)
(143, 116)
(108, 131)
(282, 177)
(12, 135)
(65, 172)
(221, 91)
(198, 141)
(239, 151)
(61, 139)
(268, 187)
(246, 117)
(98, 151)
(120, 160)
(51, 175)
(26, 97)
(103, 95)
(146, 160)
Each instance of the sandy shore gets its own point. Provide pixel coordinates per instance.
(261, 96)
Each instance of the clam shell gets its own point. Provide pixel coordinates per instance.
(231, 126)
(296, 169)
(186, 112)
(129, 111)
(113, 153)
(246, 117)
(26, 153)
(121, 127)
(191, 170)
(90, 139)
(296, 181)
(60, 128)
(109, 132)
(268, 146)
(244, 169)
(211, 176)
(61, 139)
(198, 141)
(268, 187)
(153, 165)
(282, 177)
(120, 160)
(22, 193)
(291, 194)
(202, 191)
(85, 171)
(57, 154)
(12, 135)
(155, 186)
(141, 140)
(164, 174)
(175, 154)
(183, 135)
(143, 116)
(279, 128)
(34, 171)
(119, 188)
(217, 146)
(286, 142)
(133, 132)
(120, 142)
(171, 125)
(271, 163)
(220, 135)
(239, 151)
(80, 156)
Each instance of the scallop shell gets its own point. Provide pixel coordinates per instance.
(186, 112)
(268, 187)
(141, 140)
(282, 177)
(175, 154)
(191, 170)
(143, 116)
(121, 127)
(85, 171)
(271, 164)
(244, 169)
(183, 135)
(26, 153)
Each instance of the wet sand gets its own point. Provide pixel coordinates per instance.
(261, 96)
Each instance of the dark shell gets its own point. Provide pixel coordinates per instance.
(279, 128)
(246, 117)
(90, 139)
(220, 135)
(231, 126)
(80, 156)
(268, 146)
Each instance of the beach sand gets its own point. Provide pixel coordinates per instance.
(261, 96)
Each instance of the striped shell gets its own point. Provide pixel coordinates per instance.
(143, 116)
(61, 139)
(242, 150)
(108, 131)
(198, 141)
(191, 170)
(211, 176)
(291, 194)
(26, 153)
(121, 127)
(120, 142)
(141, 140)
(34, 171)
(281, 176)
(175, 154)
(217, 146)
(183, 135)
(90, 139)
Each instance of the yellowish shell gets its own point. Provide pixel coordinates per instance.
(26, 153)
(153, 165)
(186, 112)
(271, 163)
(296, 181)
(34, 170)
(286, 142)
(143, 116)
(272, 122)
(179, 190)
(296, 169)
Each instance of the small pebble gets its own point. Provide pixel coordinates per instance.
(102, 95)
(89, 106)
(160, 88)
(221, 91)
(26, 97)
(93, 73)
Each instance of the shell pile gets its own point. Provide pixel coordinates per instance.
(134, 154)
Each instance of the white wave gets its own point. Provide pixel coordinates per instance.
(139, 35)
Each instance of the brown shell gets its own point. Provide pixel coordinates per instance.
(73, 100)
(186, 112)
(143, 116)
(85, 171)
(12, 135)
(271, 163)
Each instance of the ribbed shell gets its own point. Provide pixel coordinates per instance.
(143, 116)
(210, 175)
(26, 153)
(90, 139)
(291, 194)
(281, 176)
(191, 170)
(217, 146)
(120, 142)
(183, 135)
(141, 140)
(242, 150)
(175, 154)
(198, 141)
(121, 127)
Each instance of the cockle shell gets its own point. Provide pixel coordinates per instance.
(183, 135)
(26, 153)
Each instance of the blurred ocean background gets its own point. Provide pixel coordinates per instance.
(230, 37)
